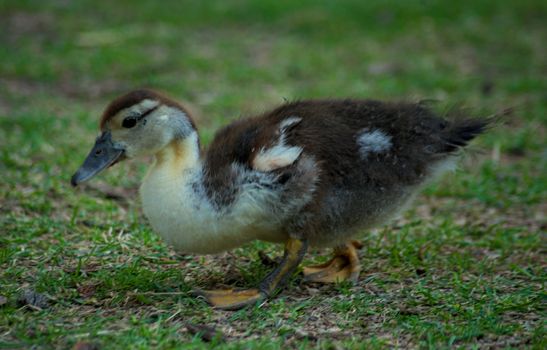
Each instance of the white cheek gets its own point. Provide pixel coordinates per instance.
(129, 151)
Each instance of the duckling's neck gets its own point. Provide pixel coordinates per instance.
(179, 155)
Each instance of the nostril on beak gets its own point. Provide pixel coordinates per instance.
(98, 152)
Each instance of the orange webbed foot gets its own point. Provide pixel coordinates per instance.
(231, 299)
(344, 266)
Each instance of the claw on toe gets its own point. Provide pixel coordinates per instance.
(230, 299)
(344, 266)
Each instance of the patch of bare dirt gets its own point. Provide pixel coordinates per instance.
(206, 333)
(24, 24)
(473, 212)
(85, 88)
(22, 87)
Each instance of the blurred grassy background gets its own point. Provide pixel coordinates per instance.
(62, 61)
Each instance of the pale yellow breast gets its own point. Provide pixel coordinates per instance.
(185, 219)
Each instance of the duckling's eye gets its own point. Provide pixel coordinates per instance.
(129, 122)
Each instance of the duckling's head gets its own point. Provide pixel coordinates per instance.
(141, 122)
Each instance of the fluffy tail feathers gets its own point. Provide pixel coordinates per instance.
(459, 133)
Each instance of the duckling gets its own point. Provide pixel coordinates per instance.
(311, 173)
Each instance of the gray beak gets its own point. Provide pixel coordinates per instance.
(104, 154)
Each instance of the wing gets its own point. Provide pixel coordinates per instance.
(276, 154)
(252, 150)
(357, 142)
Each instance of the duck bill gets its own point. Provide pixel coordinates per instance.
(103, 154)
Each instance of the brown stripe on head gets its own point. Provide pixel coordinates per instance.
(135, 97)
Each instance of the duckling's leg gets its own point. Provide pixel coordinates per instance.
(235, 299)
(344, 266)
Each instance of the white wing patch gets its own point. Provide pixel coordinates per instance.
(375, 141)
(288, 122)
(276, 157)
(280, 155)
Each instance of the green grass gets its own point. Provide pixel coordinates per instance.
(464, 268)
